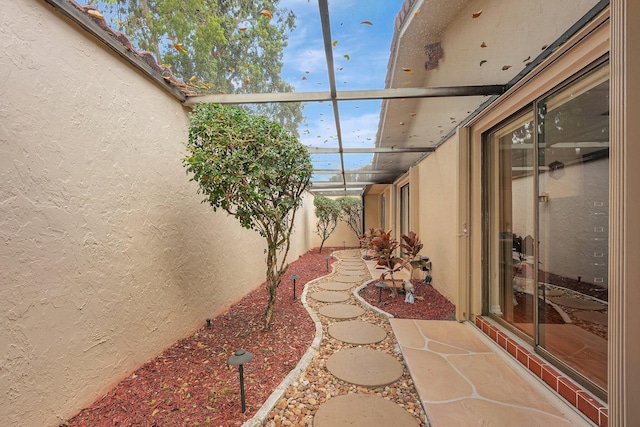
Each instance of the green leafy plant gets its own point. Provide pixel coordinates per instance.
(231, 46)
(255, 170)
(328, 212)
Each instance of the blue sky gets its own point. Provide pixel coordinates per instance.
(367, 47)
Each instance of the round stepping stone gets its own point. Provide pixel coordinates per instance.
(361, 410)
(351, 272)
(350, 267)
(329, 296)
(364, 367)
(581, 304)
(593, 317)
(350, 263)
(341, 311)
(347, 279)
(357, 332)
(335, 286)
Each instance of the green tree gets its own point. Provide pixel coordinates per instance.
(328, 212)
(255, 170)
(351, 208)
(231, 46)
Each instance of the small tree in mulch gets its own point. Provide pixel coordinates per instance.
(328, 212)
(255, 170)
(351, 213)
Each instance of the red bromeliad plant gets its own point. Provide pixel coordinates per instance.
(412, 246)
(365, 241)
(385, 247)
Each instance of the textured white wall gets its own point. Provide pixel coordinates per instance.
(107, 255)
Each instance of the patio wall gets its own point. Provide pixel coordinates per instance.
(436, 222)
(108, 255)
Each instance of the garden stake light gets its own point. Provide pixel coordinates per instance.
(294, 277)
(380, 285)
(240, 357)
(326, 258)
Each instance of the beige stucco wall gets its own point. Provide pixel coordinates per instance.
(372, 212)
(107, 254)
(341, 237)
(436, 221)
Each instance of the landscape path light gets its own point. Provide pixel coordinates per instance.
(240, 357)
(380, 285)
(294, 277)
(326, 258)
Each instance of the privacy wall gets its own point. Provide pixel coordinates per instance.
(108, 255)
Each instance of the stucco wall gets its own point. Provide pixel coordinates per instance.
(107, 254)
(342, 236)
(371, 211)
(437, 219)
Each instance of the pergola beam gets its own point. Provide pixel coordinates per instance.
(349, 95)
(375, 150)
(358, 172)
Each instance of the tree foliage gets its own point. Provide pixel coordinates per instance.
(352, 213)
(230, 46)
(255, 170)
(328, 212)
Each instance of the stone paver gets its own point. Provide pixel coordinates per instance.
(463, 380)
(341, 311)
(329, 296)
(358, 272)
(350, 267)
(336, 286)
(365, 367)
(348, 279)
(358, 410)
(357, 332)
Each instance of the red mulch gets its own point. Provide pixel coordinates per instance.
(190, 384)
(428, 303)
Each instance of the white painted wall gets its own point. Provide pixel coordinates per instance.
(107, 254)
(573, 223)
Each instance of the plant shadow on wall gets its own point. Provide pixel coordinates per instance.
(255, 170)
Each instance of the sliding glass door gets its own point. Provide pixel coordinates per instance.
(546, 220)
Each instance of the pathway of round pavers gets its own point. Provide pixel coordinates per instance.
(357, 332)
(336, 286)
(357, 377)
